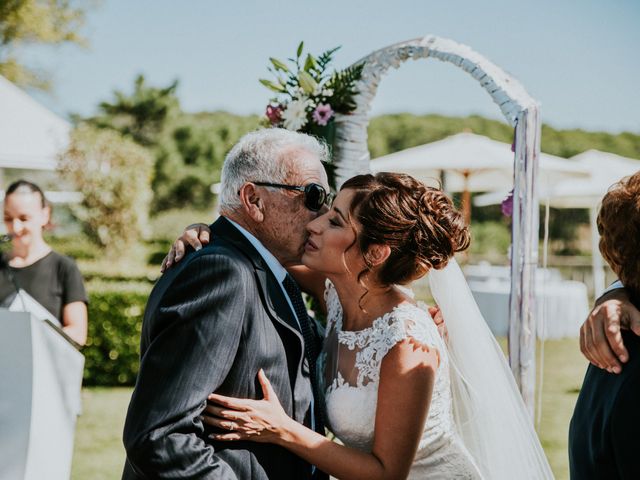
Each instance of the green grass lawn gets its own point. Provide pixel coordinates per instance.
(99, 454)
(564, 369)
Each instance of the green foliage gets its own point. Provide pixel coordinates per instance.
(188, 149)
(343, 84)
(391, 133)
(115, 322)
(167, 225)
(567, 143)
(490, 238)
(190, 156)
(308, 76)
(35, 22)
(308, 88)
(563, 228)
(77, 247)
(113, 174)
(143, 115)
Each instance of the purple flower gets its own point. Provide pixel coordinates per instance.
(507, 205)
(274, 114)
(322, 114)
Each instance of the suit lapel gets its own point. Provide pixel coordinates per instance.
(275, 300)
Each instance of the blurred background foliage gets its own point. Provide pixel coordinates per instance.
(114, 175)
(36, 22)
(188, 148)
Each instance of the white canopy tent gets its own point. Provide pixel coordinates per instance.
(488, 162)
(473, 163)
(31, 137)
(604, 169)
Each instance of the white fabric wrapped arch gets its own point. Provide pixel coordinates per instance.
(521, 111)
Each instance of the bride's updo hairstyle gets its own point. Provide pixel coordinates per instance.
(419, 223)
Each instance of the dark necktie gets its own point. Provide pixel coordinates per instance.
(310, 346)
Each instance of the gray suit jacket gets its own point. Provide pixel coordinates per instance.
(210, 324)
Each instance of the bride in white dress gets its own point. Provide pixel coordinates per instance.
(395, 398)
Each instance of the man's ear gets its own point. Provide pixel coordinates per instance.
(252, 202)
(378, 254)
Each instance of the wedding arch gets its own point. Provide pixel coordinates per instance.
(351, 157)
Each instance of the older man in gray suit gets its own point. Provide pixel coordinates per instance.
(227, 311)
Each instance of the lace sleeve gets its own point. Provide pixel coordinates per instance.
(374, 343)
(420, 326)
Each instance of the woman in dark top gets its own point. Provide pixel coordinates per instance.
(50, 278)
(603, 436)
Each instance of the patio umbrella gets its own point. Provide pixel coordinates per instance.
(472, 163)
(604, 169)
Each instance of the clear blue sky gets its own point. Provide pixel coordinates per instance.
(578, 58)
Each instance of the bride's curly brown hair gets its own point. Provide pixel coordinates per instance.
(420, 224)
(619, 227)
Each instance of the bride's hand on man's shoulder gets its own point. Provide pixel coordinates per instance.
(438, 319)
(195, 235)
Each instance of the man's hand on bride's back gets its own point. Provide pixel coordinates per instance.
(196, 235)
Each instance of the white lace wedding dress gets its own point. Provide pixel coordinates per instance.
(352, 372)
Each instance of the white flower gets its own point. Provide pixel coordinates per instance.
(295, 115)
(309, 102)
(327, 92)
(318, 90)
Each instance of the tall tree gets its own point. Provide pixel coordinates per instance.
(35, 22)
(143, 115)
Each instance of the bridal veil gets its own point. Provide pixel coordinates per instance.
(488, 409)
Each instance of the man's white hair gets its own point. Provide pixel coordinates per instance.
(258, 157)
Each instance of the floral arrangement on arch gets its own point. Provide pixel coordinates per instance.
(308, 96)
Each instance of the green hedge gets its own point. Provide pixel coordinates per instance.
(115, 321)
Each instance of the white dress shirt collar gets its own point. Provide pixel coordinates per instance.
(278, 270)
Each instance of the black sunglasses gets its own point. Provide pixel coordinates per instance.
(315, 196)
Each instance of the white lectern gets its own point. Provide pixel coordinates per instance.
(40, 382)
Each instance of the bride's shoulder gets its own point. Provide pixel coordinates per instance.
(415, 322)
(412, 315)
(413, 350)
(411, 355)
